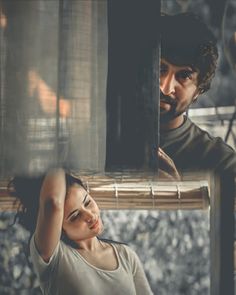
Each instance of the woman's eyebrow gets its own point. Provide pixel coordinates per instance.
(85, 197)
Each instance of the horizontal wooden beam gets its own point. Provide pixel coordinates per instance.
(133, 191)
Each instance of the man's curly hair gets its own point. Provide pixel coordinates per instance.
(186, 40)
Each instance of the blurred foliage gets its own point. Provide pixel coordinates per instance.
(172, 245)
(16, 276)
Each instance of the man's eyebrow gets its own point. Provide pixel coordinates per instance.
(163, 64)
(188, 69)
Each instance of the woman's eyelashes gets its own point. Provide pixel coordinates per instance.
(74, 216)
(87, 203)
(77, 213)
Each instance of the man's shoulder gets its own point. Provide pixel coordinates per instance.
(213, 150)
(191, 136)
(206, 137)
(193, 148)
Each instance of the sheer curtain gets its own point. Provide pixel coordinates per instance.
(53, 85)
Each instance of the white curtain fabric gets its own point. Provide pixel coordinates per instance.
(53, 85)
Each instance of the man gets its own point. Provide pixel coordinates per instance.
(188, 62)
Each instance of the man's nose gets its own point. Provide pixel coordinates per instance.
(167, 84)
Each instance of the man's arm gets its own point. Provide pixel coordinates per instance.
(167, 169)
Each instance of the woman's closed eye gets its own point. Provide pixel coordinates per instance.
(74, 216)
(76, 213)
(87, 203)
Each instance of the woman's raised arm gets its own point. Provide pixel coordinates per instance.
(50, 214)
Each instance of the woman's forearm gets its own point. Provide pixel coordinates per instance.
(54, 188)
(51, 211)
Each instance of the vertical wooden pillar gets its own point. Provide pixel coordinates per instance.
(132, 84)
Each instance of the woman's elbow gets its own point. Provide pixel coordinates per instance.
(52, 204)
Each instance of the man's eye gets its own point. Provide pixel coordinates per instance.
(163, 69)
(185, 75)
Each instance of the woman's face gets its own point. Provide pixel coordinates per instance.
(81, 215)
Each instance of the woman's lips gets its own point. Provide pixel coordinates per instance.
(95, 224)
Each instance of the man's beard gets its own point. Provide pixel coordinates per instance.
(169, 115)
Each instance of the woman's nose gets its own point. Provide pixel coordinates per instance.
(167, 84)
(88, 216)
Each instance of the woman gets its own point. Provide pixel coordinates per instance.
(66, 253)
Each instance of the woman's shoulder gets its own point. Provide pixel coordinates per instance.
(109, 241)
(123, 249)
(120, 247)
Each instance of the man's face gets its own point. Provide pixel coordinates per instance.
(178, 89)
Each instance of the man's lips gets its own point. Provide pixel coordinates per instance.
(167, 99)
(165, 105)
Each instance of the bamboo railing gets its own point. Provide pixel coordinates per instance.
(142, 192)
(133, 191)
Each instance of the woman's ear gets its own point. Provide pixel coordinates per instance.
(195, 98)
(196, 95)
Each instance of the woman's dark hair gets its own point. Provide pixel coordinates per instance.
(186, 40)
(27, 190)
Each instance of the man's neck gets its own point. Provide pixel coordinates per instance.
(173, 124)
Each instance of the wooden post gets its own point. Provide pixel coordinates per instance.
(222, 234)
(132, 83)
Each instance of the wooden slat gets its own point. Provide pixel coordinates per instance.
(133, 191)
